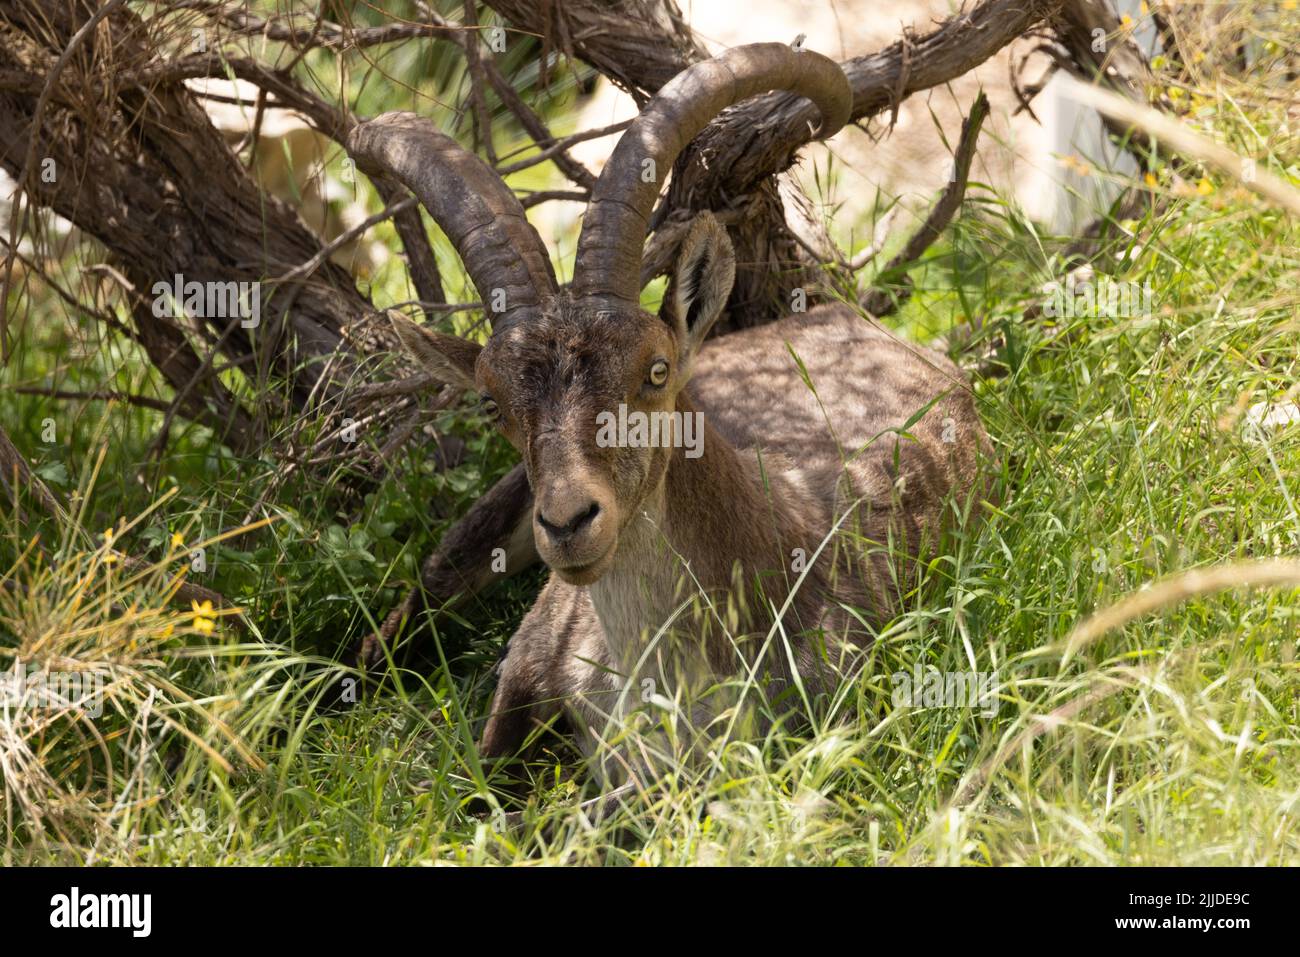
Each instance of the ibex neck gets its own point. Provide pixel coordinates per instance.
(710, 527)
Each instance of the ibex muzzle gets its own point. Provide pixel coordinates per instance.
(575, 510)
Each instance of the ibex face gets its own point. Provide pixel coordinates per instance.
(559, 359)
(549, 383)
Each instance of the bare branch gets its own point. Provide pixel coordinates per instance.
(143, 401)
(342, 239)
(559, 146)
(941, 215)
(879, 301)
(477, 80)
(329, 120)
(546, 195)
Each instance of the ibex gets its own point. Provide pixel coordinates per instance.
(829, 448)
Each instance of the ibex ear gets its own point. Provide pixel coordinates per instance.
(449, 358)
(706, 268)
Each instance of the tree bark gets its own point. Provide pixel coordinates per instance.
(140, 167)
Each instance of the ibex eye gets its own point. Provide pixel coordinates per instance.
(490, 407)
(659, 373)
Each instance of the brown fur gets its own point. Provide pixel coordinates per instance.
(636, 536)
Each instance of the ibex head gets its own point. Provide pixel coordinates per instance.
(556, 358)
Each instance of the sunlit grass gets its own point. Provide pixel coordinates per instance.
(1125, 459)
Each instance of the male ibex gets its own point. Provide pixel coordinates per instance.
(829, 448)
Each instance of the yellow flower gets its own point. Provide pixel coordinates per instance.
(167, 631)
(1150, 180)
(177, 540)
(1205, 187)
(1126, 21)
(204, 617)
(1076, 165)
(108, 536)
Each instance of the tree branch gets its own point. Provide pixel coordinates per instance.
(881, 301)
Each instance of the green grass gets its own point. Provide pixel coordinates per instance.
(1123, 460)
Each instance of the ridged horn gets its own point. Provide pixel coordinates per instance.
(608, 263)
(485, 222)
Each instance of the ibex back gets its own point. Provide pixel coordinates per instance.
(828, 454)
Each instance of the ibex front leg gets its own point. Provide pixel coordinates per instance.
(466, 560)
(557, 663)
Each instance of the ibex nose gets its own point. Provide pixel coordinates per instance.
(579, 516)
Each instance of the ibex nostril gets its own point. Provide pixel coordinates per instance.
(566, 529)
(586, 518)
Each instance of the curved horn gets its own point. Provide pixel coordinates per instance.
(609, 249)
(484, 221)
